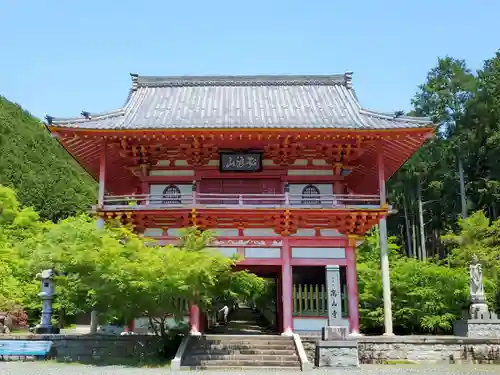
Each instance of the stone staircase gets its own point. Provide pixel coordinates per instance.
(245, 341)
(240, 351)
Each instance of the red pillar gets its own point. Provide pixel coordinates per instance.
(102, 174)
(286, 288)
(194, 320)
(352, 286)
(130, 327)
(279, 307)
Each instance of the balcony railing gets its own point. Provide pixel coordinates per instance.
(235, 201)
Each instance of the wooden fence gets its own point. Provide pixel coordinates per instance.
(312, 300)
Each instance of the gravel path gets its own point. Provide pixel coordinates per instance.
(31, 368)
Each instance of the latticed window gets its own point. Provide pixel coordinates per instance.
(171, 195)
(311, 195)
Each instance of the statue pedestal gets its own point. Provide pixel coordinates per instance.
(478, 322)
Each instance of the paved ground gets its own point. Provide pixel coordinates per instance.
(243, 321)
(50, 368)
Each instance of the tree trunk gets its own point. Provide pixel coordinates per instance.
(414, 239)
(463, 198)
(407, 226)
(421, 220)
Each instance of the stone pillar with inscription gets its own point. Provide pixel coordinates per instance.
(336, 329)
(334, 350)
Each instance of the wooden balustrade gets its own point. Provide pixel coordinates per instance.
(206, 200)
(312, 300)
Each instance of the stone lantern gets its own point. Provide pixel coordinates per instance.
(47, 295)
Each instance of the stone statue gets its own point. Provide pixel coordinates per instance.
(478, 305)
(476, 278)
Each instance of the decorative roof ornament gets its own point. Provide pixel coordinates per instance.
(348, 79)
(135, 81)
(49, 119)
(399, 114)
(87, 115)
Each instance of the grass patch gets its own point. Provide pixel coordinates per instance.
(398, 362)
(125, 362)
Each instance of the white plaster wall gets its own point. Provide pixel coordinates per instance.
(314, 324)
(296, 191)
(309, 324)
(153, 232)
(228, 251)
(175, 232)
(225, 232)
(307, 232)
(318, 252)
(263, 252)
(331, 233)
(157, 190)
(260, 232)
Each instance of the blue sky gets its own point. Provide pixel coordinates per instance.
(62, 57)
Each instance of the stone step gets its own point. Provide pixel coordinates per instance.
(252, 351)
(237, 339)
(239, 368)
(242, 347)
(242, 357)
(240, 363)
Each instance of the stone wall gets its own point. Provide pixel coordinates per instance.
(419, 349)
(97, 348)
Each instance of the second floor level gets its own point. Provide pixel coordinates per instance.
(242, 193)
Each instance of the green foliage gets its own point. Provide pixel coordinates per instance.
(44, 175)
(426, 297)
(479, 237)
(466, 106)
(112, 270)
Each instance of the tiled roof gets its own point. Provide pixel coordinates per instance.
(241, 102)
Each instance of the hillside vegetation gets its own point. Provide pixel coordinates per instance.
(38, 168)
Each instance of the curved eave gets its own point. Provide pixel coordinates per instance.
(396, 152)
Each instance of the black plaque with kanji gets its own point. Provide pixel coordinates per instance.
(240, 161)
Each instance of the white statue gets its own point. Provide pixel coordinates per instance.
(476, 279)
(478, 307)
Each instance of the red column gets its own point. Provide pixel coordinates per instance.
(194, 320)
(131, 326)
(279, 307)
(286, 289)
(102, 174)
(352, 286)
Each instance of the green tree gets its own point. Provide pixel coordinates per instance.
(426, 297)
(42, 172)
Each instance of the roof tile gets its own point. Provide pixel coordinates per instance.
(241, 102)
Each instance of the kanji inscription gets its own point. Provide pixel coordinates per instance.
(334, 297)
(241, 162)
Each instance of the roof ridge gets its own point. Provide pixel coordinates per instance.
(241, 80)
(85, 116)
(387, 116)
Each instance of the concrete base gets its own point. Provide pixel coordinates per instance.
(342, 353)
(44, 330)
(477, 328)
(332, 333)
